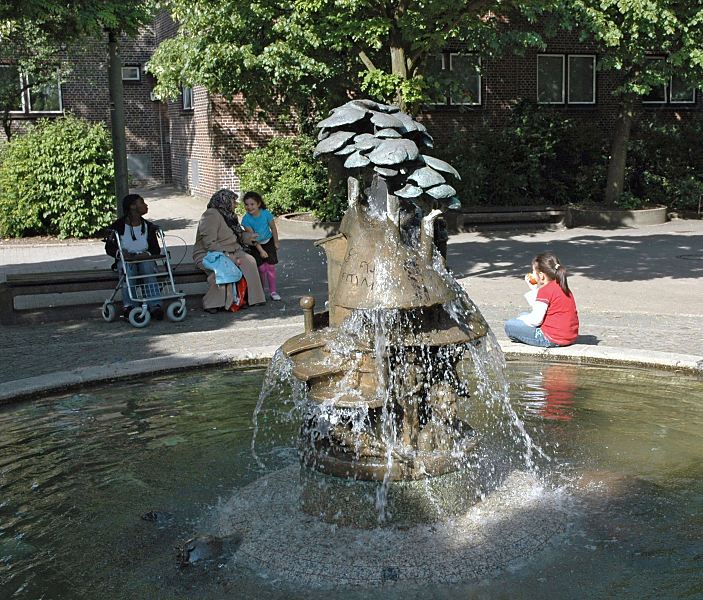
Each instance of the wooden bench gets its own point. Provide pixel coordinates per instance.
(504, 217)
(59, 282)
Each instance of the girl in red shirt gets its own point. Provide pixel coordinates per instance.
(554, 319)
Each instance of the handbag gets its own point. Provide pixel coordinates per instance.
(240, 301)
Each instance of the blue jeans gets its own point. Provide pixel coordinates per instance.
(519, 331)
(141, 288)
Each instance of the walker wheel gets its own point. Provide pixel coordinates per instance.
(176, 311)
(139, 318)
(109, 312)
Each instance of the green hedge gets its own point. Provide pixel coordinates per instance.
(665, 163)
(290, 179)
(538, 158)
(57, 179)
(542, 157)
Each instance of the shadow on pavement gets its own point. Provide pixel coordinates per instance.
(614, 258)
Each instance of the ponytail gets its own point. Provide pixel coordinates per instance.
(548, 263)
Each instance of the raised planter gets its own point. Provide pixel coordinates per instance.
(486, 217)
(304, 224)
(612, 219)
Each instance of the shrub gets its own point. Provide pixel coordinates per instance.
(665, 160)
(57, 179)
(289, 178)
(538, 157)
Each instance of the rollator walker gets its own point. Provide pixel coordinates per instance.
(145, 289)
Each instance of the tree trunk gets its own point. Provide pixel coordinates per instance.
(399, 63)
(119, 145)
(618, 152)
(7, 124)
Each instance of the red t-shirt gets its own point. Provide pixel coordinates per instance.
(561, 323)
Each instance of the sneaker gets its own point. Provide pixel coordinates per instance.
(275, 296)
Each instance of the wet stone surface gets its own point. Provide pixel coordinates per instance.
(512, 524)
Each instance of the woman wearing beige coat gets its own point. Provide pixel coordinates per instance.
(219, 231)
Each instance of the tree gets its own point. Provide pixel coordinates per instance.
(310, 54)
(57, 23)
(631, 33)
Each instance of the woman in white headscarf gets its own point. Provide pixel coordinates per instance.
(219, 231)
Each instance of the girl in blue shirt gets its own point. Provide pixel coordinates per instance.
(260, 221)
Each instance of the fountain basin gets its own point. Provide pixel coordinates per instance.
(79, 470)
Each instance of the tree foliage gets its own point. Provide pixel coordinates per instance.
(629, 33)
(35, 33)
(312, 53)
(56, 179)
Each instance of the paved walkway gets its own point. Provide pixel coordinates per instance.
(639, 293)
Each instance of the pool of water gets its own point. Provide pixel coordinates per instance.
(79, 471)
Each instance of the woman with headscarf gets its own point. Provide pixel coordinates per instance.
(219, 231)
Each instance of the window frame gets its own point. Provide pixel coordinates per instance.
(28, 94)
(191, 105)
(665, 87)
(563, 78)
(20, 81)
(138, 78)
(568, 80)
(670, 94)
(478, 75)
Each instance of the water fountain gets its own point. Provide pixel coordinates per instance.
(387, 382)
(381, 378)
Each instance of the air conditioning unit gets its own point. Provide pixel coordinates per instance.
(152, 96)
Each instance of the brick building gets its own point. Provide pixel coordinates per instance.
(197, 141)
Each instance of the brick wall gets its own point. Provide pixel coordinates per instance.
(85, 93)
(511, 78)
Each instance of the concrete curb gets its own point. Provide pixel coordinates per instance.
(66, 380)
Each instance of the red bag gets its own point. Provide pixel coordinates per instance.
(241, 300)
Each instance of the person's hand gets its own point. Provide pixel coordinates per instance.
(531, 281)
(238, 262)
(263, 253)
(277, 244)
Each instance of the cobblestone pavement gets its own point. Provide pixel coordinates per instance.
(636, 289)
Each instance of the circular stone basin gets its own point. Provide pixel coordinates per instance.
(99, 488)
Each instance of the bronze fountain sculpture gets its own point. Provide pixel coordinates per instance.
(384, 394)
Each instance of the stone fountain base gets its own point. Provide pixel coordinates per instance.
(280, 542)
(347, 502)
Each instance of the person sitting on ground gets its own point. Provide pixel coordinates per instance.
(260, 221)
(554, 319)
(219, 231)
(139, 242)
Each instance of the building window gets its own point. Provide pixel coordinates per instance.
(46, 97)
(11, 87)
(563, 78)
(675, 91)
(459, 77)
(657, 95)
(131, 73)
(187, 98)
(550, 78)
(31, 97)
(466, 74)
(582, 79)
(681, 92)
